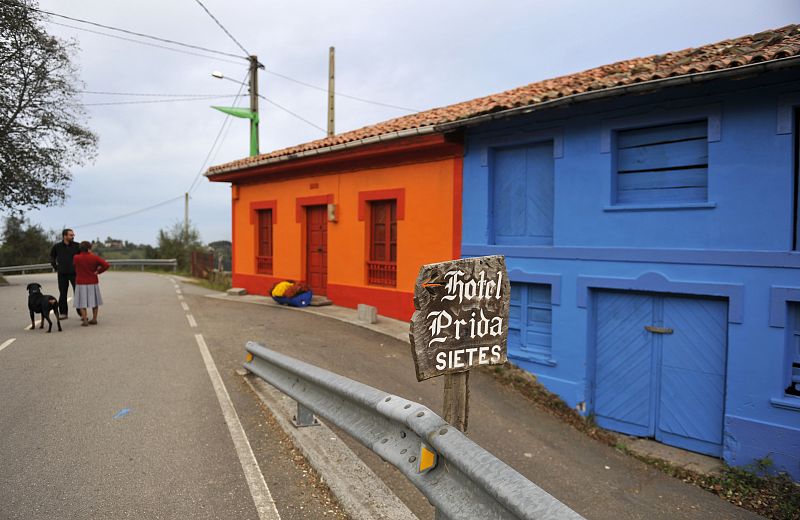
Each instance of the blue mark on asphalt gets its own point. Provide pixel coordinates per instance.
(122, 413)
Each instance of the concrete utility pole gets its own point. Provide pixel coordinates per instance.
(254, 100)
(331, 93)
(186, 216)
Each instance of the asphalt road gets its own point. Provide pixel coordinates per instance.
(64, 455)
(124, 419)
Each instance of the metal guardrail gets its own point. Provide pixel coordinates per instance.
(467, 481)
(141, 262)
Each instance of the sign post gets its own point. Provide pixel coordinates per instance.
(460, 322)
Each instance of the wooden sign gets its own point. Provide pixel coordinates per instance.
(461, 317)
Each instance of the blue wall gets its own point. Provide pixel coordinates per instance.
(737, 245)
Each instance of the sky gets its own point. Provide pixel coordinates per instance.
(413, 54)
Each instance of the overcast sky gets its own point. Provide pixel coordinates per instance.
(414, 54)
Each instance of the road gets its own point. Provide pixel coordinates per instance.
(135, 418)
(63, 454)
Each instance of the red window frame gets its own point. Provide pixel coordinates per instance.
(382, 263)
(264, 245)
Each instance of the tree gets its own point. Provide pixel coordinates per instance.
(24, 243)
(176, 243)
(42, 129)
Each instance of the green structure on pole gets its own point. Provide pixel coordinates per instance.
(245, 113)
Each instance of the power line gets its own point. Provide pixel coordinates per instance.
(165, 202)
(151, 94)
(298, 116)
(223, 27)
(216, 139)
(379, 103)
(84, 29)
(173, 100)
(118, 217)
(126, 31)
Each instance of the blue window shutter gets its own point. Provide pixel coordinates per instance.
(793, 330)
(667, 163)
(530, 323)
(522, 195)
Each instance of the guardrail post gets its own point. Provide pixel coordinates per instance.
(304, 417)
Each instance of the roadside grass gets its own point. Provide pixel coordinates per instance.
(757, 487)
(3, 281)
(216, 281)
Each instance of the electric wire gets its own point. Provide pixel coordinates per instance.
(197, 177)
(132, 213)
(298, 116)
(148, 44)
(151, 101)
(168, 201)
(222, 27)
(125, 31)
(316, 87)
(150, 94)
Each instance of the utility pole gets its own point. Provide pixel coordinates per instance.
(186, 216)
(331, 93)
(254, 102)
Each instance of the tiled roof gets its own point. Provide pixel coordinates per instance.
(728, 54)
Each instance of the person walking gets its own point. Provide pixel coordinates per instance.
(87, 294)
(61, 259)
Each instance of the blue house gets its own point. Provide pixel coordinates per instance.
(648, 213)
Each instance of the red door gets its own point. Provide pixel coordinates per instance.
(317, 248)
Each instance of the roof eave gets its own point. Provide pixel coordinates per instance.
(655, 84)
(424, 130)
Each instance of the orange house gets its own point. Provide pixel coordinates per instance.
(352, 217)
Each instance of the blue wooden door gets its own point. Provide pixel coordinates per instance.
(624, 363)
(692, 386)
(667, 382)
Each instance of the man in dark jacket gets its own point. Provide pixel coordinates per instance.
(61, 260)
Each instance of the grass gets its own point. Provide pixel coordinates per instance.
(757, 487)
(215, 282)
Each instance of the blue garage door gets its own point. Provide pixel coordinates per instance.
(660, 368)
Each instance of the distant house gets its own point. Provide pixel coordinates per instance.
(648, 213)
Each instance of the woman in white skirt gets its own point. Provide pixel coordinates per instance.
(87, 285)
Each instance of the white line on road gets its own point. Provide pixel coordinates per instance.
(178, 291)
(7, 343)
(192, 323)
(180, 296)
(265, 505)
(185, 306)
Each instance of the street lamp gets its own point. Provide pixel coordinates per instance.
(252, 112)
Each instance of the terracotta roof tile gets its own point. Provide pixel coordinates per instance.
(764, 46)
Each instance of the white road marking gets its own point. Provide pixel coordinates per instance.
(180, 296)
(265, 504)
(185, 306)
(178, 291)
(192, 323)
(7, 343)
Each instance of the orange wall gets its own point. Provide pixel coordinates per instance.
(424, 235)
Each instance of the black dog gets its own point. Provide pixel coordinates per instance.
(39, 303)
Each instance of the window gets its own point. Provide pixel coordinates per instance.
(382, 264)
(264, 251)
(793, 333)
(663, 164)
(522, 195)
(530, 323)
